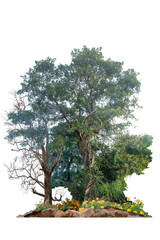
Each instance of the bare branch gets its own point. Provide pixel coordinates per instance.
(55, 162)
(35, 192)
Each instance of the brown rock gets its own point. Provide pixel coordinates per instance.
(103, 213)
(88, 212)
(134, 215)
(72, 213)
(110, 209)
(119, 213)
(51, 212)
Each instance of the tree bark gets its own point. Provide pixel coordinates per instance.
(47, 188)
(89, 155)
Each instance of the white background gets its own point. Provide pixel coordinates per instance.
(127, 31)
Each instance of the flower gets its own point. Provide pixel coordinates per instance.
(92, 207)
(128, 199)
(102, 206)
(134, 211)
(97, 198)
(132, 206)
(80, 209)
(141, 212)
(128, 210)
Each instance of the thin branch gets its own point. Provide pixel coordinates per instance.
(89, 115)
(55, 162)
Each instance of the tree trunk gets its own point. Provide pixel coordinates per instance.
(88, 156)
(47, 189)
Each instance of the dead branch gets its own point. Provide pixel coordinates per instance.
(55, 162)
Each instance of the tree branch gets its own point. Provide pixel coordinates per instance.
(55, 162)
(42, 195)
(89, 115)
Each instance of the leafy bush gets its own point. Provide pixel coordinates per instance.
(114, 191)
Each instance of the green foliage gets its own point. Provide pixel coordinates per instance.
(114, 191)
(128, 154)
(59, 98)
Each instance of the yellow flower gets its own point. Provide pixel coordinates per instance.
(129, 210)
(132, 206)
(141, 212)
(92, 207)
(128, 199)
(120, 208)
(90, 202)
(135, 211)
(93, 201)
(97, 198)
(102, 206)
(80, 209)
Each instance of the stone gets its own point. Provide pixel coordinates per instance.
(72, 213)
(52, 212)
(88, 212)
(103, 213)
(110, 209)
(120, 213)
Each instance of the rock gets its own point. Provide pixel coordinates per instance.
(110, 209)
(88, 212)
(20, 216)
(134, 215)
(120, 213)
(103, 213)
(51, 212)
(72, 213)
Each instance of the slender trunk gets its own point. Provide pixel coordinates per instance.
(88, 158)
(84, 154)
(88, 155)
(47, 188)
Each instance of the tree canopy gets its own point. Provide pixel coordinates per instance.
(81, 110)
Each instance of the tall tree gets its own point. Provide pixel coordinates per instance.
(31, 132)
(97, 98)
(90, 99)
